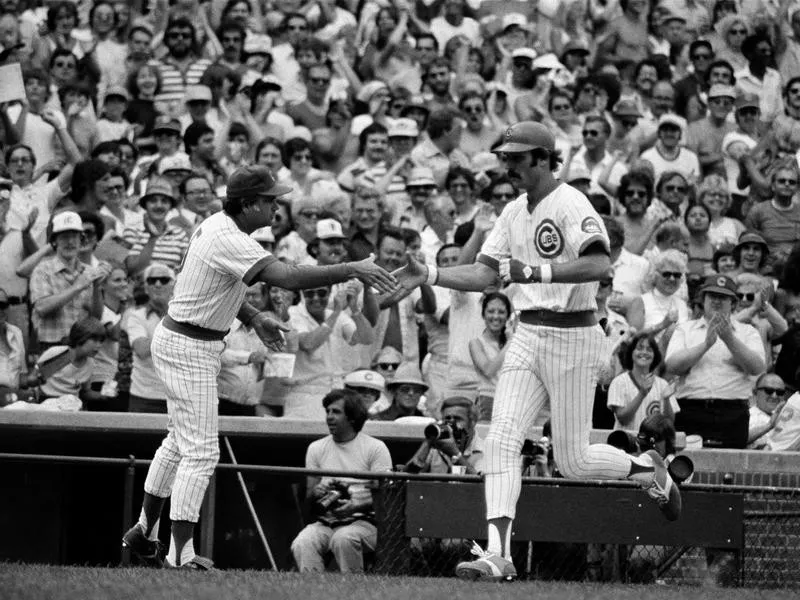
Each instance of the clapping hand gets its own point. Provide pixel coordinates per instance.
(32, 216)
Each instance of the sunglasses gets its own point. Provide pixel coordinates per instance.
(591, 133)
(473, 109)
(320, 293)
(306, 157)
(770, 391)
(783, 181)
(738, 32)
(675, 188)
(161, 280)
(630, 124)
(635, 194)
(179, 35)
(722, 100)
(297, 27)
(389, 366)
(4, 305)
(319, 80)
(702, 56)
(671, 274)
(749, 297)
(562, 106)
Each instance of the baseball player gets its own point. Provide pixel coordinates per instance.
(221, 262)
(552, 242)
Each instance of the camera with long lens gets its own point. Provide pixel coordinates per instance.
(438, 431)
(531, 449)
(681, 468)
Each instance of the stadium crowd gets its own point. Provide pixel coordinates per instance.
(679, 119)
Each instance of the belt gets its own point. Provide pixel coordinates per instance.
(193, 331)
(715, 402)
(550, 318)
(12, 300)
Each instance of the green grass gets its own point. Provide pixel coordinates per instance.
(39, 582)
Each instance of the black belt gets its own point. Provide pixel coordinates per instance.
(12, 300)
(193, 331)
(550, 318)
(715, 402)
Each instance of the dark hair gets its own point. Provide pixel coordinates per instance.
(790, 275)
(268, 141)
(229, 25)
(410, 235)
(231, 3)
(667, 176)
(110, 146)
(737, 253)
(369, 130)
(506, 302)
(700, 44)
(626, 353)
(429, 36)
(137, 28)
(59, 52)
(85, 175)
(52, 14)
(599, 119)
(97, 5)
(751, 42)
(133, 87)
(193, 133)
(616, 232)
(391, 232)
(791, 82)
(354, 408)
(696, 205)
(723, 250)
(445, 247)
(192, 175)
(658, 428)
(11, 149)
(635, 177)
(439, 61)
(292, 147)
(721, 63)
(457, 172)
(116, 171)
(557, 93)
(647, 62)
(471, 96)
(94, 219)
(441, 121)
(128, 144)
(501, 179)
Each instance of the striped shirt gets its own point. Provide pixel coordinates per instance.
(174, 81)
(50, 277)
(222, 261)
(560, 227)
(169, 249)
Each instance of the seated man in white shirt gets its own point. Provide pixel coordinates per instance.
(344, 522)
(630, 270)
(668, 154)
(716, 357)
(769, 395)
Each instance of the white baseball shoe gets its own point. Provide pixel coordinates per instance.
(487, 567)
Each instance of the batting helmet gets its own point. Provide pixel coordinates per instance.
(525, 136)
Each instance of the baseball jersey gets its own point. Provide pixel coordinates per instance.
(560, 227)
(221, 262)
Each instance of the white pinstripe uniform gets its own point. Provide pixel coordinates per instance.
(222, 261)
(559, 364)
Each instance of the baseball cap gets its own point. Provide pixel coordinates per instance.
(263, 235)
(720, 90)
(404, 128)
(514, 20)
(330, 229)
(579, 173)
(66, 221)
(529, 53)
(119, 92)
(747, 100)
(420, 176)
(158, 187)
(256, 43)
(177, 162)
(197, 93)
(252, 180)
(719, 284)
(364, 378)
(671, 119)
(266, 84)
(417, 102)
(525, 136)
(167, 124)
(626, 108)
(575, 46)
(369, 89)
(547, 61)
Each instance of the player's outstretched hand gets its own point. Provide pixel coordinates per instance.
(371, 274)
(409, 277)
(270, 331)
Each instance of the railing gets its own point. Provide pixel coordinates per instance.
(769, 556)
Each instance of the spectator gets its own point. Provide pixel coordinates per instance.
(754, 307)
(635, 193)
(406, 390)
(716, 358)
(639, 392)
(181, 66)
(769, 396)
(344, 524)
(440, 216)
(672, 188)
(778, 220)
(367, 384)
(594, 157)
(759, 78)
(714, 194)
(155, 239)
(700, 251)
(489, 350)
(77, 358)
(420, 187)
(147, 393)
(662, 307)
(63, 289)
(668, 155)
(751, 253)
(439, 150)
(705, 136)
(630, 270)
(13, 367)
(463, 448)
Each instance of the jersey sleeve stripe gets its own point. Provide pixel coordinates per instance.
(490, 262)
(253, 271)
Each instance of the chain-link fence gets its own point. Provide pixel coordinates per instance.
(769, 558)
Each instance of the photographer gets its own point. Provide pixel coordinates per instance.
(344, 519)
(458, 445)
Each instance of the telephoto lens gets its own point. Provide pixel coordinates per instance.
(438, 431)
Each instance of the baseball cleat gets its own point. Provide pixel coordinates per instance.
(487, 567)
(198, 563)
(149, 552)
(663, 489)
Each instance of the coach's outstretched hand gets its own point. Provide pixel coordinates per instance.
(371, 274)
(409, 277)
(270, 331)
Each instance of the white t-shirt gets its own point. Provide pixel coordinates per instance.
(622, 390)
(443, 31)
(687, 163)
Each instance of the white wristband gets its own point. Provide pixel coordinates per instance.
(546, 273)
(433, 275)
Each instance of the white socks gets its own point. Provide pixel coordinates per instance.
(187, 553)
(496, 544)
(153, 534)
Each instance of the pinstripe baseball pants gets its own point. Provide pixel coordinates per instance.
(559, 364)
(188, 455)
